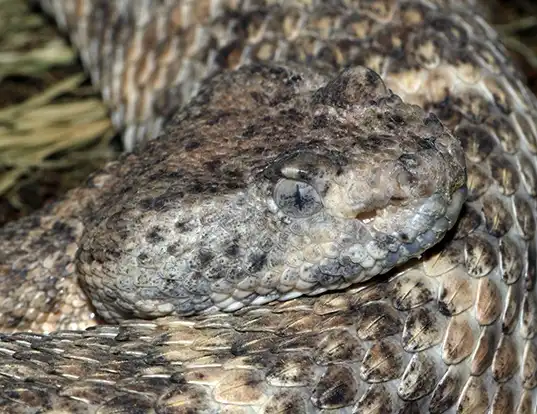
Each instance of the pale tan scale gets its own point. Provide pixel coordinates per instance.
(511, 309)
(382, 362)
(443, 262)
(240, 386)
(529, 369)
(488, 303)
(459, 341)
(526, 404)
(503, 400)
(484, 351)
(474, 397)
(505, 362)
(457, 292)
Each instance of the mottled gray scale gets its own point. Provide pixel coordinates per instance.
(511, 260)
(293, 371)
(504, 173)
(505, 133)
(502, 98)
(524, 215)
(336, 388)
(300, 343)
(377, 320)
(286, 401)
(419, 378)
(531, 270)
(376, 398)
(473, 107)
(480, 254)
(338, 346)
(411, 291)
(446, 392)
(511, 309)
(498, 217)
(382, 362)
(479, 181)
(423, 329)
(528, 319)
(528, 173)
(470, 221)
(529, 368)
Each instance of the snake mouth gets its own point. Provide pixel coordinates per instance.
(359, 251)
(411, 221)
(401, 231)
(369, 215)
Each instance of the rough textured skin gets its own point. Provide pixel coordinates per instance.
(254, 195)
(453, 331)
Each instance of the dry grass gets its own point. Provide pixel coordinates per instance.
(54, 129)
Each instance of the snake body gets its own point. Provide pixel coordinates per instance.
(286, 182)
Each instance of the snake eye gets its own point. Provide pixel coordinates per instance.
(296, 198)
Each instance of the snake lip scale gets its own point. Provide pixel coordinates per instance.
(324, 206)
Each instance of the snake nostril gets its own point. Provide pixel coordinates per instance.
(366, 216)
(398, 200)
(404, 237)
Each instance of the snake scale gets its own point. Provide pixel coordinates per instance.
(337, 216)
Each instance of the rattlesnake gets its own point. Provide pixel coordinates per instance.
(294, 172)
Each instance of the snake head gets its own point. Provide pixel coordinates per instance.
(390, 173)
(272, 183)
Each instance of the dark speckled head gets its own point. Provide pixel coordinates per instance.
(270, 184)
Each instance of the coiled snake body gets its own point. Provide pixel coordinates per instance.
(245, 256)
